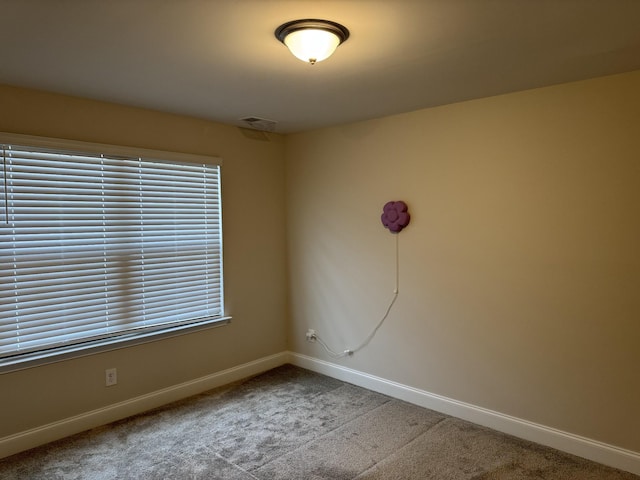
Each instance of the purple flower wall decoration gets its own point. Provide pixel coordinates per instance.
(395, 216)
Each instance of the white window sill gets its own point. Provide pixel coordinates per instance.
(35, 359)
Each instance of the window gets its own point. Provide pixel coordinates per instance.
(100, 245)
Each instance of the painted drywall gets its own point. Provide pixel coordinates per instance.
(520, 270)
(254, 259)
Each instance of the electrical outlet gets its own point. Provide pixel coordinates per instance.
(311, 335)
(111, 377)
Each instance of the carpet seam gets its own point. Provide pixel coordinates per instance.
(236, 466)
(414, 439)
(388, 399)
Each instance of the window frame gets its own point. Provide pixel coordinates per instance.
(60, 353)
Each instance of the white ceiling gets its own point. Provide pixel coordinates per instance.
(219, 59)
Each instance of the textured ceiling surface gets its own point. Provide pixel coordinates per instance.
(220, 60)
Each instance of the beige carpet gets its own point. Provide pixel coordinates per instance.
(290, 423)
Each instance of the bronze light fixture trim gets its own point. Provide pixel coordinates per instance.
(312, 40)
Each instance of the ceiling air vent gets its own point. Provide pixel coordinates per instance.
(261, 124)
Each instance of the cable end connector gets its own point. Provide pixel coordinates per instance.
(311, 335)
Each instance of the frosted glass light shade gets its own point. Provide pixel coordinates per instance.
(312, 40)
(312, 45)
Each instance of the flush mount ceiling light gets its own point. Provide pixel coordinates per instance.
(312, 40)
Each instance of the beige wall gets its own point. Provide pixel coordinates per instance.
(254, 255)
(520, 271)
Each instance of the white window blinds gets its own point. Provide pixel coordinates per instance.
(97, 245)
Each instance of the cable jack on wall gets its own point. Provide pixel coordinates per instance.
(395, 217)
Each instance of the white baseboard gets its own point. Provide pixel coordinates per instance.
(69, 426)
(600, 452)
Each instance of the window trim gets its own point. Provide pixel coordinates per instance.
(61, 354)
(57, 354)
